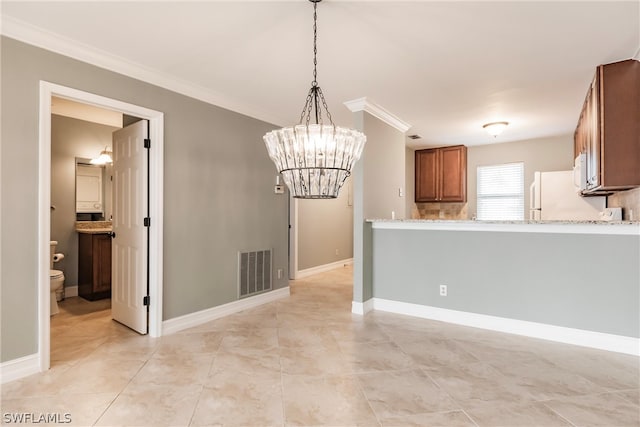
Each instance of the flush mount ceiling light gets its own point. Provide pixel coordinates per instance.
(103, 158)
(315, 159)
(495, 128)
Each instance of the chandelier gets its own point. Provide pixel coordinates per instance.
(315, 159)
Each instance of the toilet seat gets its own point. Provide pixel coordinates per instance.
(55, 274)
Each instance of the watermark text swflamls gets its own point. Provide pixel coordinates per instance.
(36, 418)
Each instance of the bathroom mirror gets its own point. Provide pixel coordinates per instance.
(93, 191)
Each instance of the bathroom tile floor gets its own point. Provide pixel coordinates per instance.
(307, 361)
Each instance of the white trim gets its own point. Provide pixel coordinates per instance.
(364, 104)
(156, 126)
(199, 317)
(602, 227)
(70, 291)
(15, 369)
(30, 34)
(362, 308)
(322, 268)
(44, 226)
(599, 340)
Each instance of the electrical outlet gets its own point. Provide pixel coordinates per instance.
(279, 273)
(337, 252)
(443, 290)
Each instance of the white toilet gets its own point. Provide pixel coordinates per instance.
(56, 277)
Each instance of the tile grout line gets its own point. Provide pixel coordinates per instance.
(120, 393)
(375, 414)
(282, 402)
(558, 413)
(195, 407)
(461, 408)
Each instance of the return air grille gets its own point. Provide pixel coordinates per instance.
(254, 272)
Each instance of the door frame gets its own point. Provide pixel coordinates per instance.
(156, 193)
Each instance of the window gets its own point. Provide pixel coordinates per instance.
(501, 192)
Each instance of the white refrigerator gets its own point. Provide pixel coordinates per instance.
(554, 196)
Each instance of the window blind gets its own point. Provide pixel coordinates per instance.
(501, 192)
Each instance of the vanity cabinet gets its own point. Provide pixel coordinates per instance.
(441, 174)
(608, 130)
(94, 266)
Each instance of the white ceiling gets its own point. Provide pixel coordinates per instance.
(444, 67)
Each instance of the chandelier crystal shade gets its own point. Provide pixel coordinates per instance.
(314, 159)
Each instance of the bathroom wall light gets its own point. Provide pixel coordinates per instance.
(495, 128)
(103, 158)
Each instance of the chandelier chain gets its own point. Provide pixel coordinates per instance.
(315, 45)
(315, 98)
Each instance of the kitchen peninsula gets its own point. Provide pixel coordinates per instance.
(570, 281)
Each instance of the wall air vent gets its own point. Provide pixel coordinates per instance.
(254, 272)
(414, 136)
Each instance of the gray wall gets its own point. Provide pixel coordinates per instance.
(324, 227)
(377, 177)
(218, 190)
(545, 154)
(573, 280)
(70, 138)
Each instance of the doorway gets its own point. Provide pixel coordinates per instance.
(155, 203)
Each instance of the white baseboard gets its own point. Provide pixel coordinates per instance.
(19, 368)
(362, 308)
(70, 291)
(599, 340)
(199, 317)
(322, 268)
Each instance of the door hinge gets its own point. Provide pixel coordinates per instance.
(146, 300)
(147, 143)
(147, 222)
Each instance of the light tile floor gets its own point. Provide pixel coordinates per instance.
(307, 361)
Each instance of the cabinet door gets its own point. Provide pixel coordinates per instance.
(85, 265)
(453, 165)
(426, 175)
(102, 263)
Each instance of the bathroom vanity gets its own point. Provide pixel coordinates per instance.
(94, 262)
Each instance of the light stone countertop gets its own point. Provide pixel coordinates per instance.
(93, 227)
(554, 227)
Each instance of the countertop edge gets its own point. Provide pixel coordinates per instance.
(93, 230)
(554, 227)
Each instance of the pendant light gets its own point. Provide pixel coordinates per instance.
(314, 159)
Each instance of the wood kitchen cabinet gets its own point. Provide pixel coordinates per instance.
(94, 266)
(441, 174)
(608, 129)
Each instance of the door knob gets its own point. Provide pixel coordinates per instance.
(113, 235)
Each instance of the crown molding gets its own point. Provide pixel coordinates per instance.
(35, 36)
(364, 104)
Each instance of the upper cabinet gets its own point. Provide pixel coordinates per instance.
(608, 130)
(441, 174)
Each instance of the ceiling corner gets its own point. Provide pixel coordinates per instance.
(368, 105)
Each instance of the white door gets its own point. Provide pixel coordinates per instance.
(129, 267)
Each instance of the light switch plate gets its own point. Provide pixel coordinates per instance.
(278, 189)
